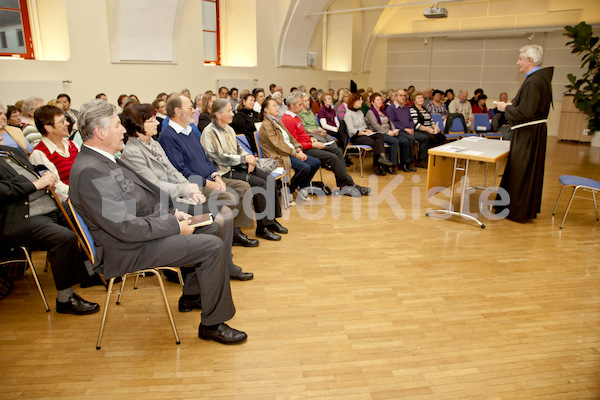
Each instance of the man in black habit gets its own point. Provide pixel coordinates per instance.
(527, 116)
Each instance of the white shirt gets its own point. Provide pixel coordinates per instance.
(106, 154)
(37, 157)
(180, 129)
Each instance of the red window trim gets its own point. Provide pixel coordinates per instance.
(218, 32)
(26, 32)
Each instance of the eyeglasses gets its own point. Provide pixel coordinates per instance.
(150, 120)
(61, 122)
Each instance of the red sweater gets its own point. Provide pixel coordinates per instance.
(477, 110)
(63, 165)
(296, 128)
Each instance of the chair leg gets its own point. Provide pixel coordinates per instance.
(559, 196)
(137, 278)
(162, 288)
(360, 160)
(568, 206)
(106, 303)
(124, 278)
(595, 205)
(35, 278)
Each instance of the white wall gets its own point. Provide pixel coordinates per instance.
(91, 71)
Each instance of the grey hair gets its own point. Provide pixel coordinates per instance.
(95, 113)
(30, 102)
(293, 98)
(173, 102)
(465, 91)
(304, 95)
(218, 105)
(533, 51)
(3, 107)
(276, 95)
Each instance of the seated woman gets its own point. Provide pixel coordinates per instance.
(160, 107)
(13, 115)
(378, 121)
(360, 134)
(311, 126)
(426, 133)
(244, 120)
(276, 142)
(55, 151)
(206, 103)
(480, 107)
(437, 106)
(326, 116)
(146, 157)
(11, 135)
(342, 107)
(231, 161)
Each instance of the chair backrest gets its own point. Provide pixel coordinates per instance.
(437, 118)
(87, 236)
(457, 126)
(243, 141)
(260, 153)
(492, 112)
(481, 122)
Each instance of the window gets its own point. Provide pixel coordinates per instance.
(211, 32)
(15, 29)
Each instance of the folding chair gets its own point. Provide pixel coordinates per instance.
(577, 182)
(89, 242)
(29, 263)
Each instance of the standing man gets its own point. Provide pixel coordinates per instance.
(524, 174)
(135, 226)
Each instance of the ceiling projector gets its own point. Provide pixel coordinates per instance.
(435, 12)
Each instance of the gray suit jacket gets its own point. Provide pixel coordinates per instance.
(127, 216)
(148, 166)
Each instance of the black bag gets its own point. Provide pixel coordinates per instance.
(317, 188)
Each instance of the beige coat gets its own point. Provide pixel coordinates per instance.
(273, 145)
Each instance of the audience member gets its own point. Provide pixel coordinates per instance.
(399, 114)
(427, 96)
(160, 108)
(449, 97)
(55, 151)
(233, 98)
(244, 120)
(359, 134)
(188, 156)
(436, 106)
(66, 100)
(223, 92)
(480, 107)
(378, 121)
(426, 133)
(259, 96)
(147, 158)
(13, 117)
(186, 93)
(101, 96)
(153, 233)
(233, 162)
(278, 97)
(462, 106)
(29, 217)
(311, 126)
(476, 94)
(340, 111)
(326, 116)
(204, 118)
(277, 143)
(12, 136)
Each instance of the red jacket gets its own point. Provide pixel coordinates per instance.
(296, 128)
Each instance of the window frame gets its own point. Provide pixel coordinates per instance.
(217, 32)
(26, 35)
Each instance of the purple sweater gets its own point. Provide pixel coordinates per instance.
(400, 117)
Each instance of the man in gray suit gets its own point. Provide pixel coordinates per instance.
(135, 226)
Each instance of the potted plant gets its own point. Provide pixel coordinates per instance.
(586, 89)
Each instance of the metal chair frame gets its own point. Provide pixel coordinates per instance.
(29, 262)
(89, 242)
(586, 188)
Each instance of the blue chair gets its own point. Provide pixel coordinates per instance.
(437, 118)
(243, 141)
(577, 182)
(481, 122)
(89, 242)
(492, 112)
(359, 150)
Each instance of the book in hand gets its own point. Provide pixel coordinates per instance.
(201, 220)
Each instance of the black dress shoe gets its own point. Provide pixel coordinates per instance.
(268, 234)
(242, 276)
(365, 191)
(277, 228)
(385, 161)
(407, 168)
(391, 170)
(189, 305)
(77, 306)
(379, 172)
(242, 240)
(223, 334)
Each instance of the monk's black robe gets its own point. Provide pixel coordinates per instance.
(524, 174)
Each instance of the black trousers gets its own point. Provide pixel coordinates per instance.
(375, 141)
(258, 179)
(49, 232)
(332, 158)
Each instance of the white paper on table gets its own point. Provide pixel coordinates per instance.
(474, 139)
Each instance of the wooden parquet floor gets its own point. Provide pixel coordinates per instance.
(365, 301)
